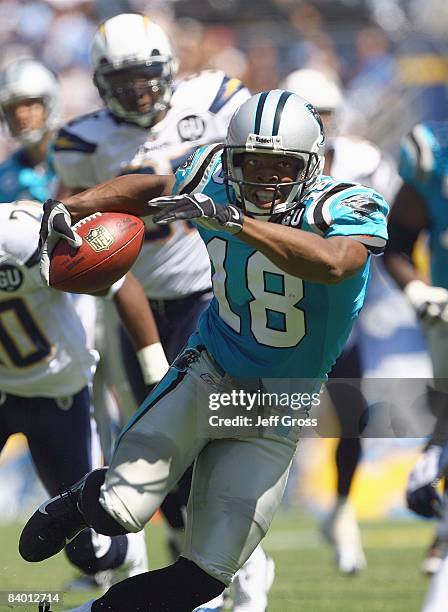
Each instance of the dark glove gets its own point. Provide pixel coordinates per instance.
(56, 224)
(421, 492)
(200, 207)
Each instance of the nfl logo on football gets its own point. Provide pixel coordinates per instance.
(99, 238)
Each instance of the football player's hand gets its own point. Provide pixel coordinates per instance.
(421, 493)
(56, 225)
(430, 303)
(200, 207)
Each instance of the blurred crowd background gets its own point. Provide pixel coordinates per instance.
(390, 56)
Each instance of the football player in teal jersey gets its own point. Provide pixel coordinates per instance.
(29, 105)
(422, 205)
(290, 254)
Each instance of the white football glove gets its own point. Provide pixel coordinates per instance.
(430, 303)
(56, 224)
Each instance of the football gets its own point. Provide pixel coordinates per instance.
(111, 244)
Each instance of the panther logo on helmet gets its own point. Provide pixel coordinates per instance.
(318, 118)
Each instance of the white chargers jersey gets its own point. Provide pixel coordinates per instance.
(42, 341)
(91, 149)
(359, 161)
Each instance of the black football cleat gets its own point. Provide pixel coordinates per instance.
(53, 525)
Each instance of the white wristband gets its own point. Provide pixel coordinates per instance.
(153, 363)
(416, 291)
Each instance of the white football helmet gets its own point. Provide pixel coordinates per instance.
(128, 49)
(280, 123)
(28, 79)
(315, 86)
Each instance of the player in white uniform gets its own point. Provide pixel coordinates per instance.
(151, 125)
(43, 349)
(118, 140)
(29, 105)
(146, 127)
(353, 160)
(29, 110)
(46, 368)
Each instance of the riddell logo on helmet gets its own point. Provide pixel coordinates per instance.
(264, 141)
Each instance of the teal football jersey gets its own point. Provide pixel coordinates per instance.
(20, 181)
(262, 321)
(424, 165)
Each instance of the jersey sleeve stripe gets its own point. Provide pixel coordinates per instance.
(410, 150)
(415, 148)
(228, 88)
(67, 141)
(179, 161)
(425, 157)
(319, 216)
(193, 180)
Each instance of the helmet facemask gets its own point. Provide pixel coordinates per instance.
(285, 195)
(273, 123)
(136, 92)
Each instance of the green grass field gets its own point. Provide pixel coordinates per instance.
(306, 580)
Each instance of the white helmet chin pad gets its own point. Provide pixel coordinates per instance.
(279, 123)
